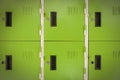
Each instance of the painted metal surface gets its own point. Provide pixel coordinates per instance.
(110, 15)
(104, 40)
(64, 39)
(25, 20)
(70, 20)
(110, 57)
(82, 37)
(21, 40)
(25, 60)
(69, 60)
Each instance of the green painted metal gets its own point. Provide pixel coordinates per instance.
(70, 20)
(25, 20)
(104, 40)
(110, 16)
(25, 60)
(66, 40)
(21, 41)
(69, 60)
(110, 60)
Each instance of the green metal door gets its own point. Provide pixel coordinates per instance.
(24, 63)
(64, 20)
(64, 61)
(19, 20)
(104, 19)
(104, 58)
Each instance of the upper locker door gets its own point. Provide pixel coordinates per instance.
(19, 20)
(104, 17)
(64, 19)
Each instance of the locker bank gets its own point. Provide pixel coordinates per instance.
(59, 40)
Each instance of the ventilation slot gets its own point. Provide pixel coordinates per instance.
(116, 10)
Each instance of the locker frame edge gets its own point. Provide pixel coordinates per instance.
(86, 40)
(42, 41)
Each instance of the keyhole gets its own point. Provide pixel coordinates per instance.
(92, 62)
(2, 62)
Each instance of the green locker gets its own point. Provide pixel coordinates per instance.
(104, 45)
(24, 63)
(19, 39)
(104, 19)
(64, 20)
(19, 20)
(104, 60)
(64, 61)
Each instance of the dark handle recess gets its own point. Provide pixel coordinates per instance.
(8, 62)
(97, 62)
(53, 62)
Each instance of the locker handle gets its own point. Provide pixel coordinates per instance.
(53, 20)
(98, 19)
(8, 62)
(8, 19)
(97, 62)
(52, 62)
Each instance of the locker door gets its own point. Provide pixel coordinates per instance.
(104, 17)
(104, 60)
(64, 61)
(19, 60)
(64, 20)
(19, 20)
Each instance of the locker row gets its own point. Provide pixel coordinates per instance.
(62, 22)
(64, 44)
(66, 59)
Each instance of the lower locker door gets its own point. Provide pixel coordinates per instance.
(104, 60)
(19, 60)
(64, 61)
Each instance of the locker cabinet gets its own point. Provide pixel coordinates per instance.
(104, 20)
(19, 20)
(104, 44)
(19, 60)
(64, 61)
(104, 60)
(64, 20)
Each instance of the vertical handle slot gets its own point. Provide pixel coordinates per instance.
(8, 62)
(53, 62)
(97, 62)
(98, 19)
(8, 19)
(53, 19)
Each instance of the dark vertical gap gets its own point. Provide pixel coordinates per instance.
(53, 62)
(97, 62)
(8, 19)
(8, 62)
(53, 19)
(98, 19)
